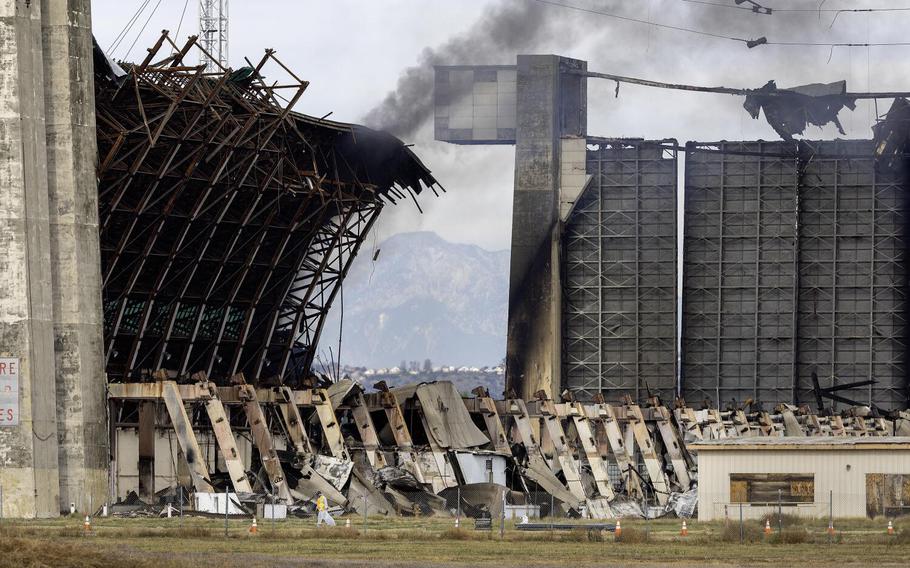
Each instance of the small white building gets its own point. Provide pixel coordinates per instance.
(851, 477)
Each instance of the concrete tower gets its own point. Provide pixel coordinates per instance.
(538, 105)
(53, 439)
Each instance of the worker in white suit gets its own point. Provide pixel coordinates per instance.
(322, 511)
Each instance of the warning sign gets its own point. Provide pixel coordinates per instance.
(9, 391)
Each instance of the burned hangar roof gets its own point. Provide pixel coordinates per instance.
(228, 221)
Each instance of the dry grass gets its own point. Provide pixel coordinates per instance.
(786, 520)
(749, 532)
(435, 542)
(54, 553)
(462, 534)
(791, 536)
(631, 535)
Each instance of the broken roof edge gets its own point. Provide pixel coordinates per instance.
(389, 160)
(386, 161)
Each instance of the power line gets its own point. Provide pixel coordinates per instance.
(138, 35)
(182, 14)
(637, 21)
(127, 27)
(770, 11)
(750, 43)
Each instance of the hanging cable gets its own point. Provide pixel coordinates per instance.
(750, 43)
(637, 21)
(138, 35)
(771, 11)
(180, 24)
(127, 27)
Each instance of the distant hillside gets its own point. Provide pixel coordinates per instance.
(423, 298)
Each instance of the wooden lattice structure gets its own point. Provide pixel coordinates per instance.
(227, 220)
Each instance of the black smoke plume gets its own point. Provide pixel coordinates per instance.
(503, 30)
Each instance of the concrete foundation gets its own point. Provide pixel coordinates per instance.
(49, 272)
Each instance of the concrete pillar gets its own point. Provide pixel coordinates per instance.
(147, 437)
(551, 104)
(28, 451)
(75, 256)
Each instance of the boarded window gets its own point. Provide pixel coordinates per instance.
(757, 488)
(887, 494)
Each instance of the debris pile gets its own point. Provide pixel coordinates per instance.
(425, 449)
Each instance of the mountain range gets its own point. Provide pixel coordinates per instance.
(422, 298)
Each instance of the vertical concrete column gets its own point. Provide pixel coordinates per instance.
(28, 451)
(551, 104)
(75, 257)
(147, 415)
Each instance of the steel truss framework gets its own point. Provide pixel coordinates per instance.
(794, 263)
(620, 266)
(228, 222)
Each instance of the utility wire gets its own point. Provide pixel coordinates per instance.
(180, 24)
(794, 10)
(750, 43)
(138, 35)
(637, 21)
(127, 27)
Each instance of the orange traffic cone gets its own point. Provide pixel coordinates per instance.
(618, 531)
(831, 528)
(87, 525)
(890, 527)
(253, 528)
(685, 529)
(767, 526)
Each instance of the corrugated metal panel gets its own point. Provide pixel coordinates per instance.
(739, 286)
(619, 296)
(852, 274)
(794, 261)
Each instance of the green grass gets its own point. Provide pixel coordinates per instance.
(198, 542)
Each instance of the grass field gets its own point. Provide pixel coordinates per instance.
(196, 542)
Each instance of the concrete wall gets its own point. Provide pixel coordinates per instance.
(28, 452)
(169, 463)
(842, 471)
(551, 104)
(75, 255)
(49, 272)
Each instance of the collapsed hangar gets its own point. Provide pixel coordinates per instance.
(794, 254)
(592, 332)
(226, 224)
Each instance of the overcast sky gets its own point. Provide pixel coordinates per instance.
(353, 51)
